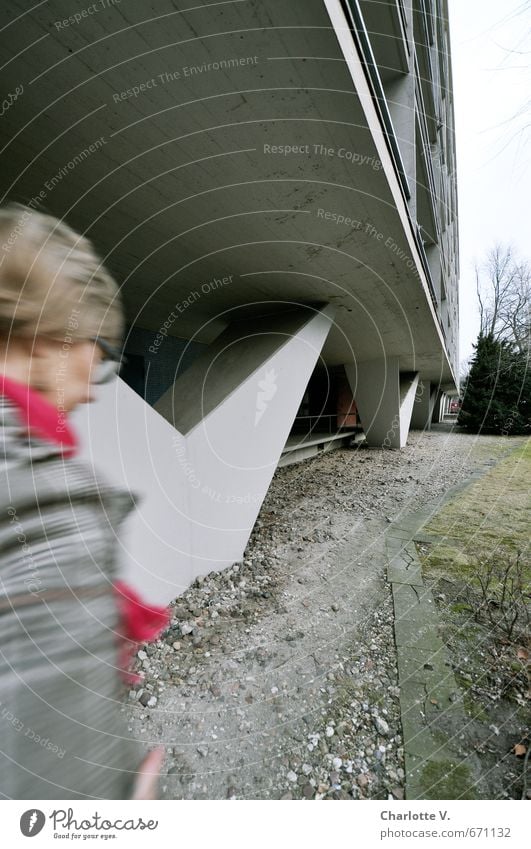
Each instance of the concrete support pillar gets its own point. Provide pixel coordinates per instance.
(203, 458)
(438, 408)
(425, 398)
(384, 399)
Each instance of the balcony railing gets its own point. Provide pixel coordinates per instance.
(426, 150)
(357, 27)
(427, 14)
(403, 18)
(311, 426)
(427, 271)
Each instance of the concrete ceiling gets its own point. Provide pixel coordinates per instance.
(180, 190)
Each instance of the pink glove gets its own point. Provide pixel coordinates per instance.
(140, 623)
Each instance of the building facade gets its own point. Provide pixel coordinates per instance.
(273, 184)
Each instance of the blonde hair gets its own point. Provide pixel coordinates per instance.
(52, 282)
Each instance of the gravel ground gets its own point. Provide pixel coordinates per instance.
(277, 678)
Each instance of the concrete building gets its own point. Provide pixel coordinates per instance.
(273, 184)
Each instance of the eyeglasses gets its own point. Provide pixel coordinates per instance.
(111, 363)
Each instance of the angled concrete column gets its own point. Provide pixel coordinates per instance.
(408, 387)
(425, 398)
(203, 459)
(438, 408)
(384, 397)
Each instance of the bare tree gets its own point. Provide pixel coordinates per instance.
(503, 286)
(516, 127)
(464, 367)
(516, 313)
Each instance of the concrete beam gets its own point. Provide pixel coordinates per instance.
(384, 399)
(203, 459)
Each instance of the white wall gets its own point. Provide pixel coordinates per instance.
(201, 492)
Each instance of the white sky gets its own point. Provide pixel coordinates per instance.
(491, 88)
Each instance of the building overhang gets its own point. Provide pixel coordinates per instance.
(224, 155)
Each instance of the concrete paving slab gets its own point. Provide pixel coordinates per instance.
(402, 558)
(411, 577)
(407, 535)
(395, 545)
(423, 667)
(416, 635)
(443, 721)
(431, 704)
(439, 777)
(422, 742)
(412, 603)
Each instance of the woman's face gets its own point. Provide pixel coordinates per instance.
(63, 372)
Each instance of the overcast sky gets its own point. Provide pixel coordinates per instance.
(491, 46)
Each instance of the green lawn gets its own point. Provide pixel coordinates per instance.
(490, 517)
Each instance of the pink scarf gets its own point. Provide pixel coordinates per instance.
(140, 622)
(39, 415)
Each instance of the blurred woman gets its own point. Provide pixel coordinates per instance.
(64, 615)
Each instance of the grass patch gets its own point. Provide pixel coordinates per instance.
(447, 780)
(491, 517)
(480, 574)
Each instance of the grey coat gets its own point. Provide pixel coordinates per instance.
(62, 731)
